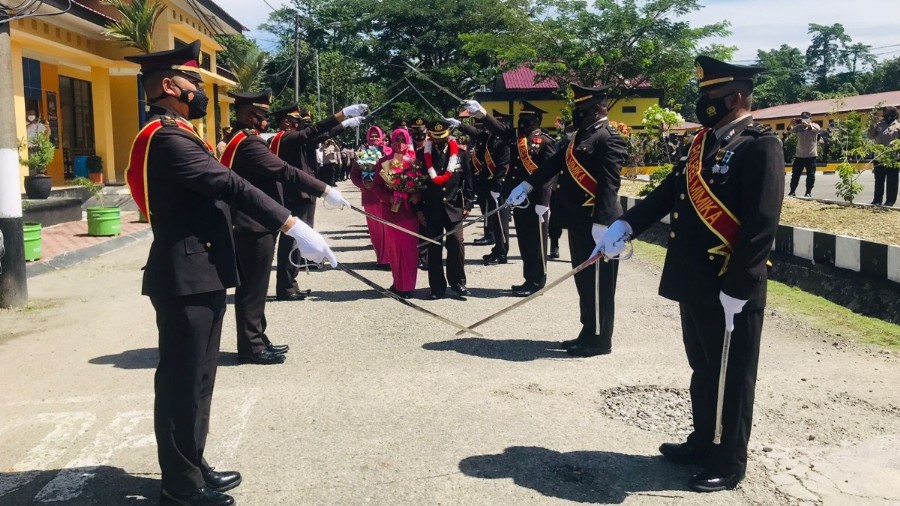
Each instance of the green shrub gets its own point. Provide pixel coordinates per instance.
(656, 177)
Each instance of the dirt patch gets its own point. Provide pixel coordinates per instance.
(864, 222)
(651, 408)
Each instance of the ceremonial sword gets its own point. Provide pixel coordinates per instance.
(720, 398)
(470, 223)
(382, 106)
(438, 86)
(405, 302)
(392, 225)
(582, 266)
(419, 93)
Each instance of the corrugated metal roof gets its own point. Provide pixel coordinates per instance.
(523, 79)
(846, 104)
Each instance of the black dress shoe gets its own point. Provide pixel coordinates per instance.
(518, 287)
(585, 349)
(201, 497)
(301, 295)
(278, 349)
(437, 294)
(554, 252)
(484, 241)
(565, 345)
(460, 289)
(493, 259)
(875, 203)
(684, 453)
(711, 481)
(889, 204)
(264, 357)
(423, 265)
(527, 289)
(221, 481)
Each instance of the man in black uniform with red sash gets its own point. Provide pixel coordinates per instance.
(529, 147)
(185, 192)
(589, 178)
(446, 200)
(293, 146)
(725, 202)
(249, 155)
(418, 130)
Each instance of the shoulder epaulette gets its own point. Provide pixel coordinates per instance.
(168, 121)
(757, 129)
(612, 129)
(250, 131)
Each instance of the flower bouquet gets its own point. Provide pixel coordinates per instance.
(367, 158)
(404, 177)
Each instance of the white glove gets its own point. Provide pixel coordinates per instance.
(311, 244)
(541, 211)
(352, 122)
(519, 194)
(475, 109)
(454, 123)
(495, 196)
(615, 239)
(597, 232)
(352, 111)
(731, 306)
(432, 173)
(334, 198)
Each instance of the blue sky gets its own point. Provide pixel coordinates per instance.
(755, 24)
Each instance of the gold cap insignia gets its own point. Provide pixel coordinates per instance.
(438, 128)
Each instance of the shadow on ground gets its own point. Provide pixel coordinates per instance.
(147, 358)
(594, 477)
(512, 350)
(98, 485)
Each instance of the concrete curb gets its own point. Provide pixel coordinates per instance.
(83, 255)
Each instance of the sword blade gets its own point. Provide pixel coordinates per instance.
(584, 265)
(720, 398)
(392, 295)
(382, 106)
(438, 86)
(469, 223)
(419, 93)
(392, 225)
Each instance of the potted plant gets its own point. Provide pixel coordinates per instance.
(95, 169)
(40, 153)
(102, 220)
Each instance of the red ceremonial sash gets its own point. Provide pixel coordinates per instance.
(712, 212)
(477, 164)
(231, 148)
(275, 146)
(489, 161)
(136, 172)
(529, 164)
(581, 176)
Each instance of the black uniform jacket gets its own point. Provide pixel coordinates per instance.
(298, 148)
(189, 196)
(484, 141)
(752, 188)
(266, 171)
(451, 197)
(602, 152)
(541, 147)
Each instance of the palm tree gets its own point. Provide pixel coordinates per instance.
(245, 60)
(135, 27)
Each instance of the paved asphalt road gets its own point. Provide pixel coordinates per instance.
(824, 187)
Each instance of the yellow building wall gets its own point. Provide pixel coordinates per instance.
(824, 120)
(50, 83)
(555, 108)
(123, 94)
(18, 78)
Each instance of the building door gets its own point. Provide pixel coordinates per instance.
(77, 106)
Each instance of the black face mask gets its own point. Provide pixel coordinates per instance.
(526, 128)
(419, 137)
(710, 111)
(578, 117)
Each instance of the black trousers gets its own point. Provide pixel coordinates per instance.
(703, 329)
(498, 225)
(328, 173)
(581, 245)
(484, 205)
(254, 253)
(456, 254)
(532, 235)
(801, 164)
(885, 177)
(190, 329)
(286, 272)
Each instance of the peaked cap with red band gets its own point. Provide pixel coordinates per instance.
(185, 59)
(259, 99)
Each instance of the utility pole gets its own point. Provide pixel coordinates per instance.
(13, 281)
(318, 90)
(297, 58)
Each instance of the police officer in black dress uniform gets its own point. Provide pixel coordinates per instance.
(185, 192)
(297, 147)
(446, 200)
(529, 147)
(490, 163)
(725, 201)
(418, 130)
(248, 154)
(589, 177)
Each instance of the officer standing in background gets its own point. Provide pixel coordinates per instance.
(884, 132)
(807, 134)
(249, 156)
(589, 172)
(725, 201)
(446, 200)
(529, 147)
(183, 190)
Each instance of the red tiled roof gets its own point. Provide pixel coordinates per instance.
(846, 104)
(523, 79)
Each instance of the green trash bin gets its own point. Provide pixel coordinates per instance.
(104, 221)
(32, 241)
